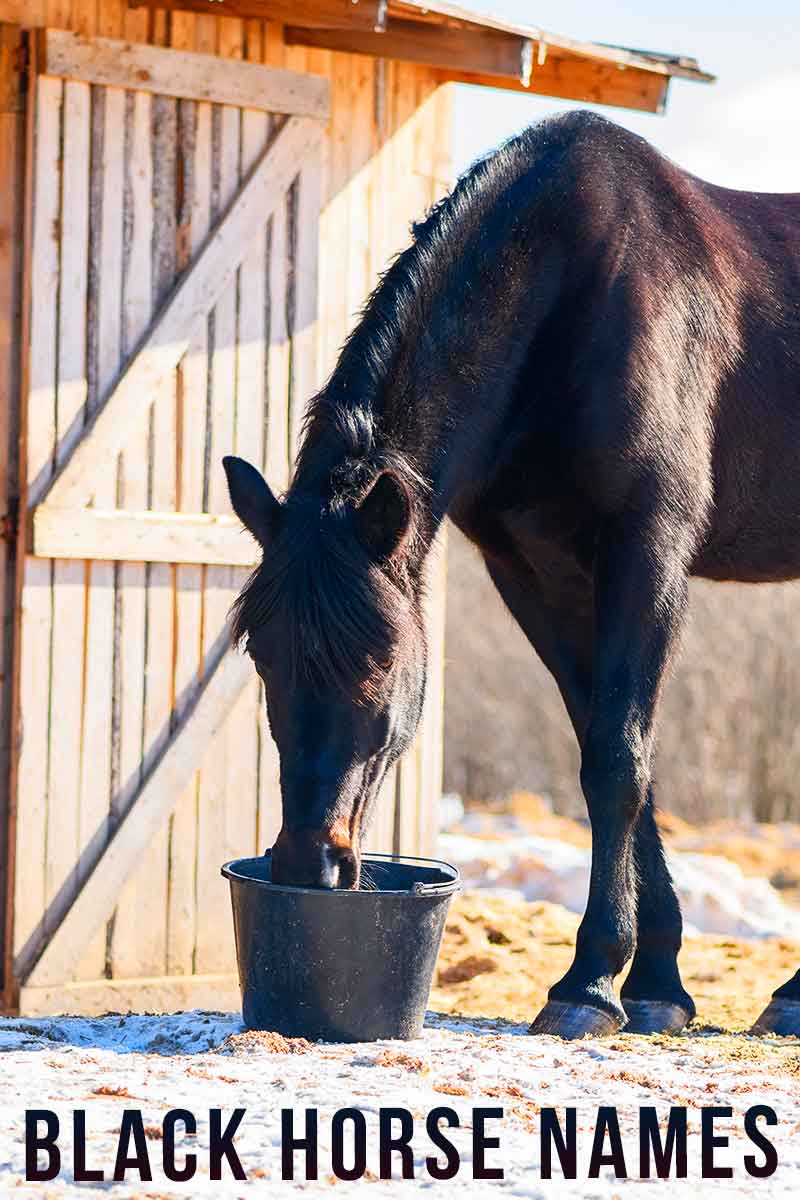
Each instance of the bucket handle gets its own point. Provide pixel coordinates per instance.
(435, 889)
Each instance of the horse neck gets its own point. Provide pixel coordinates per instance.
(427, 376)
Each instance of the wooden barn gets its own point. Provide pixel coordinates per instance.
(198, 196)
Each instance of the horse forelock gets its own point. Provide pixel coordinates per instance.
(340, 617)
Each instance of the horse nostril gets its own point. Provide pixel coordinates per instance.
(349, 870)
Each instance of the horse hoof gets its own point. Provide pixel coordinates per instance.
(654, 1016)
(575, 1021)
(781, 1017)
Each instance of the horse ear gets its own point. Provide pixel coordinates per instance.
(383, 515)
(252, 500)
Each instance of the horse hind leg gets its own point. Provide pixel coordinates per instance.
(782, 1014)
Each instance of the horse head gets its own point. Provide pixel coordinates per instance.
(332, 621)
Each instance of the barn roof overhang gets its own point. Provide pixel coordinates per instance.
(466, 47)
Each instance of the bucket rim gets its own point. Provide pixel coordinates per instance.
(418, 890)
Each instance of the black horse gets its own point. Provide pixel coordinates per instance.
(590, 361)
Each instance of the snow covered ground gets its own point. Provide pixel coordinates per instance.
(715, 895)
(196, 1060)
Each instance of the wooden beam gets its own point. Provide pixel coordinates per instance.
(492, 58)
(443, 11)
(171, 333)
(14, 218)
(486, 51)
(583, 80)
(179, 73)
(118, 535)
(164, 993)
(200, 722)
(324, 14)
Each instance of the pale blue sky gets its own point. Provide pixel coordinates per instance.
(743, 131)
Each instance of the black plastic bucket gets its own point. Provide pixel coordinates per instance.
(338, 965)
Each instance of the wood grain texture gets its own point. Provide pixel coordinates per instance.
(167, 994)
(171, 333)
(215, 810)
(132, 492)
(183, 74)
(36, 597)
(489, 52)
(134, 835)
(194, 218)
(327, 14)
(243, 729)
(365, 216)
(119, 535)
(15, 131)
(105, 353)
(67, 648)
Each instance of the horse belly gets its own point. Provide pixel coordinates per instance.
(756, 538)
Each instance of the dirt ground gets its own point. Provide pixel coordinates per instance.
(499, 956)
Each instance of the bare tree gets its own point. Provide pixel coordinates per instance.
(730, 734)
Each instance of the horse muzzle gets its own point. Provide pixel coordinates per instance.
(314, 858)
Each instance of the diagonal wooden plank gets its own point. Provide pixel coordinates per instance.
(183, 74)
(171, 333)
(201, 720)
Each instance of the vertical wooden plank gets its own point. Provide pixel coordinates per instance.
(130, 591)
(277, 447)
(195, 141)
(360, 148)
(135, 23)
(275, 50)
(95, 735)
(213, 945)
(111, 18)
(45, 272)
(83, 17)
(67, 689)
(243, 728)
(306, 286)
(152, 876)
(105, 341)
(379, 838)
(36, 617)
(334, 221)
(405, 836)
(12, 339)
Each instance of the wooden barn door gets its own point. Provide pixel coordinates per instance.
(172, 287)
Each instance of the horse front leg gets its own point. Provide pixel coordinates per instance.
(640, 600)
(654, 999)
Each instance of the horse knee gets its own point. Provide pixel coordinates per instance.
(615, 783)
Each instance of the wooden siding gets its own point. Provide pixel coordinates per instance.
(140, 630)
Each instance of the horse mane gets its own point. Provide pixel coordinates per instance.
(349, 413)
(343, 614)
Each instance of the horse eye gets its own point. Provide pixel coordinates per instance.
(257, 654)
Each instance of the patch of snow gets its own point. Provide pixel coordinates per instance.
(199, 1060)
(715, 895)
